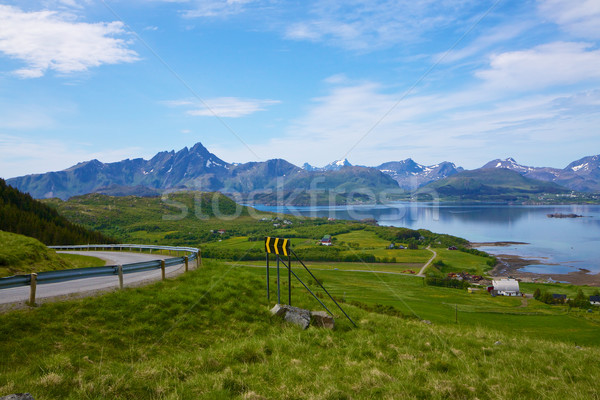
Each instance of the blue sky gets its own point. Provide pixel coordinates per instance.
(309, 81)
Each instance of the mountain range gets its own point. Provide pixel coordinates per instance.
(582, 175)
(198, 169)
(195, 169)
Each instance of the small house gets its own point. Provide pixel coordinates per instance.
(391, 246)
(326, 241)
(595, 300)
(506, 287)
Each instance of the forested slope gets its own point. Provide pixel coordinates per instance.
(20, 213)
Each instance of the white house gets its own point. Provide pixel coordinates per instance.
(506, 287)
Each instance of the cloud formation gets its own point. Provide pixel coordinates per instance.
(225, 107)
(580, 18)
(50, 40)
(547, 65)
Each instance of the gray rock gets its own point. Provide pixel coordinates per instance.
(279, 309)
(298, 316)
(426, 321)
(18, 396)
(321, 319)
(497, 343)
(303, 318)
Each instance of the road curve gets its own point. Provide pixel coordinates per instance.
(88, 286)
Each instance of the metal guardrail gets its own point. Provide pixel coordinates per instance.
(90, 272)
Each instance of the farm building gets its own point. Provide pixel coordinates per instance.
(506, 287)
(326, 241)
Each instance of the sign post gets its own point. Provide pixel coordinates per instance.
(279, 247)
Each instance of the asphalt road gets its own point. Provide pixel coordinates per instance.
(80, 287)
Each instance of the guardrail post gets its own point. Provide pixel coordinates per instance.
(33, 286)
(186, 263)
(120, 267)
(162, 269)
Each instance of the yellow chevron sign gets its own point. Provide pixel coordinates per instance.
(278, 246)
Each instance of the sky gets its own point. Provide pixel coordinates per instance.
(308, 81)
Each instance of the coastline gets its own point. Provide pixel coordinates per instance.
(509, 265)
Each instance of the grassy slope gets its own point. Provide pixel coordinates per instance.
(22, 255)
(194, 339)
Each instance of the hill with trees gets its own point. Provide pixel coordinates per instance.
(20, 213)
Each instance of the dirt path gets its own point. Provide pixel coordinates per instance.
(523, 302)
(422, 271)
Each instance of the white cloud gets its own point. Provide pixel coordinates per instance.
(493, 36)
(354, 24)
(367, 24)
(49, 40)
(547, 65)
(578, 17)
(226, 107)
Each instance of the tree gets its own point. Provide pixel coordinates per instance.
(537, 294)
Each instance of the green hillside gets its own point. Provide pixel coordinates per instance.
(20, 213)
(22, 254)
(490, 185)
(209, 335)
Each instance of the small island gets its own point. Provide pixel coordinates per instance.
(561, 215)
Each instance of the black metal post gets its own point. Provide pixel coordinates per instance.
(278, 287)
(322, 287)
(310, 291)
(289, 280)
(268, 293)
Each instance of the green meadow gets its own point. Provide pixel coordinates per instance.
(208, 335)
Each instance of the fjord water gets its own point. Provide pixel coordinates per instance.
(561, 245)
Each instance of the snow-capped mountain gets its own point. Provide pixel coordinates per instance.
(337, 165)
(581, 175)
(411, 175)
(332, 166)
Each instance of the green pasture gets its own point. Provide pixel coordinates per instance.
(208, 335)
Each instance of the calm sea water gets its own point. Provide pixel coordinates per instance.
(562, 245)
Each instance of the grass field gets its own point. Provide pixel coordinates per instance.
(458, 261)
(344, 266)
(208, 335)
